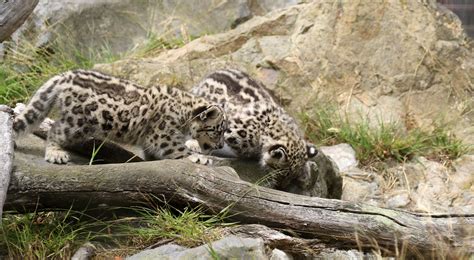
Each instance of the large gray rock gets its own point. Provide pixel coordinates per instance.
(121, 25)
(422, 186)
(361, 186)
(434, 187)
(231, 247)
(405, 61)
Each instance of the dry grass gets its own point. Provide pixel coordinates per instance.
(25, 67)
(375, 146)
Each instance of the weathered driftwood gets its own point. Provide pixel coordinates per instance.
(13, 14)
(6, 154)
(38, 185)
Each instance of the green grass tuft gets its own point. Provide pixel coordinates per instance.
(388, 142)
(57, 235)
(48, 235)
(154, 45)
(189, 227)
(445, 146)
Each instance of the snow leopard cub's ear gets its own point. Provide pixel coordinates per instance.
(212, 112)
(311, 150)
(278, 152)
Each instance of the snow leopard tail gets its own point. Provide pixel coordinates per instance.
(40, 104)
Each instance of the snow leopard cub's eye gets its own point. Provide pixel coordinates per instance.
(311, 151)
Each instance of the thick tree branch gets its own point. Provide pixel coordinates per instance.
(6, 155)
(13, 14)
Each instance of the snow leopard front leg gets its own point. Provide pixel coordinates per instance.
(64, 132)
(57, 139)
(171, 145)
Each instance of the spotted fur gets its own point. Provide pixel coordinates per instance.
(258, 126)
(159, 119)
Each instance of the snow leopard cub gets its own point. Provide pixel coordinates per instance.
(159, 119)
(259, 127)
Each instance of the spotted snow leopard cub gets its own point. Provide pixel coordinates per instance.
(159, 119)
(258, 127)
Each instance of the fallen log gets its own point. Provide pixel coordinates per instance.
(13, 14)
(36, 185)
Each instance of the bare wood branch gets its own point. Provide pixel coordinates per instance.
(13, 14)
(38, 185)
(6, 154)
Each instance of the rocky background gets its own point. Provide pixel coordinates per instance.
(407, 61)
(403, 61)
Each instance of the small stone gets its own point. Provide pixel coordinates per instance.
(85, 252)
(277, 254)
(342, 154)
(159, 251)
(398, 201)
